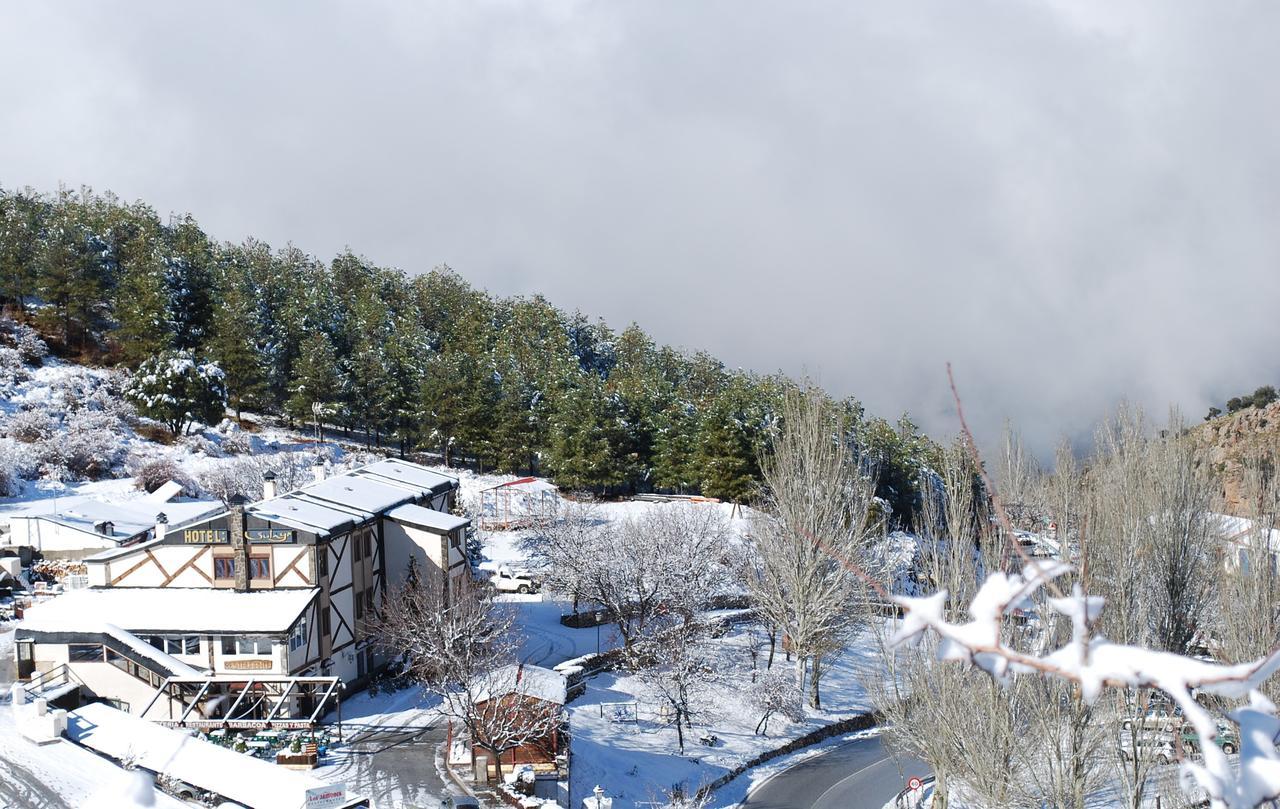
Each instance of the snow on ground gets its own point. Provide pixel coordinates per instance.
(638, 761)
(387, 709)
(546, 641)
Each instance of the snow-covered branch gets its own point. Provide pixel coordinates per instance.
(1096, 663)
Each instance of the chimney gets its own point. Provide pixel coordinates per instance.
(162, 525)
(317, 469)
(235, 527)
(269, 485)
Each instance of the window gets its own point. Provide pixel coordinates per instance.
(84, 653)
(185, 645)
(260, 568)
(228, 645)
(224, 567)
(322, 561)
(359, 599)
(253, 646)
(356, 549)
(299, 637)
(367, 541)
(324, 622)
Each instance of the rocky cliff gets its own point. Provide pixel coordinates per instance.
(1229, 440)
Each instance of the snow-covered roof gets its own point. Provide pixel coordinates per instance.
(366, 494)
(1242, 531)
(170, 609)
(526, 680)
(128, 518)
(337, 502)
(527, 485)
(304, 514)
(241, 778)
(172, 665)
(427, 518)
(410, 474)
(67, 774)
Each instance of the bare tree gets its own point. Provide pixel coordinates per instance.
(1248, 617)
(817, 508)
(463, 649)
(644, 571)
(677, 669)
(774, 694)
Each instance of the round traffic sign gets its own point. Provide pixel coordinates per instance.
(914, 783)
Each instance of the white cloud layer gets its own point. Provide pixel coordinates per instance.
(1074, 202)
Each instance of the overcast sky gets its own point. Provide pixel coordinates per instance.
(1073, 202)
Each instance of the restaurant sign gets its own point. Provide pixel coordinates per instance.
(206, 536)
(328, 797)
(248, 665)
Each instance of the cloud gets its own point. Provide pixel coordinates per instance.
(1073, 202)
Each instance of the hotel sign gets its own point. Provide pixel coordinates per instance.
(269, 535)
(221, 536)
(206, 536)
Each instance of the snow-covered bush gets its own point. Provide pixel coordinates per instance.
(92, 444)
(237, 442)
(16, 463)
(177, 390)
(151, 473)
(241, 476)
(200, 445)
(108, 399)
(12, 369)
(29, 426)
(24, 340)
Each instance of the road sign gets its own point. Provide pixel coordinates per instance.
(914, 784)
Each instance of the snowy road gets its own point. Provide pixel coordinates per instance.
(860, 774)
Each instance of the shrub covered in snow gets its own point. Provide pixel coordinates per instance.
(237, 442)
(92, 444)
(242, 476)
(16, 462)
(151, 473)
(35, 424)
(12, 369)
(177, 390)
(24, 340)
(200, 445)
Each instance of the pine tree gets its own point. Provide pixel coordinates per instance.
(315, 381)
(69, 278)
(188, 280)
(22, 217)
(728, 446)
(232, 345)
(178, 390)
(580, 455)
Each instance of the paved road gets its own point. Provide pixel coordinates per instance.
(395, 766)
(860, 774)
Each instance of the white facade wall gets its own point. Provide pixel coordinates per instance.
(50, 536)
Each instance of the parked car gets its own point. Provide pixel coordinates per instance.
(1157, 746)
(508, 581)
(1227, 738)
